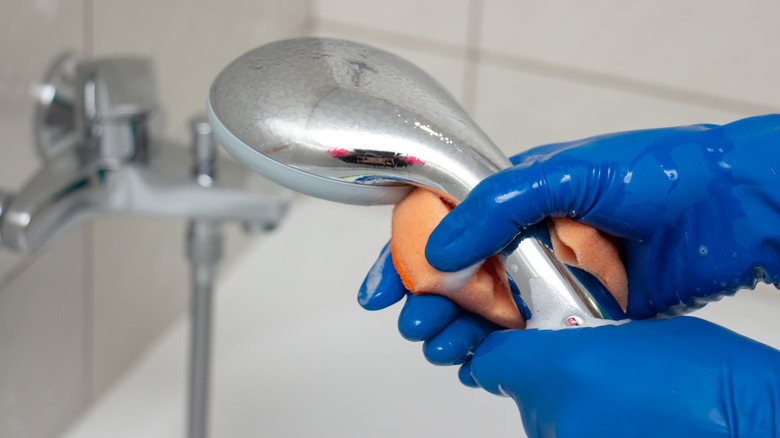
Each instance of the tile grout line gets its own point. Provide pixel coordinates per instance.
(89, 250)
(555, 71)
(89, 28)
(401, 41)
(623, 84)
(472, 58)
(311, 19)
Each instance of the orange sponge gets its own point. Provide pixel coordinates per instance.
(583, 246)
(485, 292)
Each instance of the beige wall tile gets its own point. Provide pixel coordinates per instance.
(437, 20)
(519, 110)
(717, 47)
(44, 343)
(140, 285)
(190, 42)
(32, 35)
(43, 298)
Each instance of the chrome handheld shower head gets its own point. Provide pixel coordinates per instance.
(355, 124)
(356, 118)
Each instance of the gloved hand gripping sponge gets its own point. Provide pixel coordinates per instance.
(484, 289)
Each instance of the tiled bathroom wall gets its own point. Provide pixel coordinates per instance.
(75, 315)
(44, 322)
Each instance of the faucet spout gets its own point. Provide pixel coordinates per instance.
(56, 199)
(68, 191)
(100, 158)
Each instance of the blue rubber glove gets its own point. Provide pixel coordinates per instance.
(678, 377)
(671, 377)
(696, 209)
(673, 187)
(450, 334)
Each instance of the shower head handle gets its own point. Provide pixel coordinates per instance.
(355, 124)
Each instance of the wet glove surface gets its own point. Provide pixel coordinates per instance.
(696, 209)
(678, 377)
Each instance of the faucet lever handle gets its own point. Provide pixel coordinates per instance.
(114, 89)
(204, 150)
(115, 98)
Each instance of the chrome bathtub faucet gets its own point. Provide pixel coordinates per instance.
(95, 134)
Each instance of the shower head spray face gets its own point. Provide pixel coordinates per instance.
(355, 124)
(347, 122)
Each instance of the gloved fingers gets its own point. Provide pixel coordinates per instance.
(450, 332)
(541, 152)
(522, 306)
(699, 378)
(382, 287)
(464, 375)
(524, 157)
(512, 360)
(495, 212)
(423, 316)
(458, 340)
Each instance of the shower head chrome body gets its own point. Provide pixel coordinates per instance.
(355, 124)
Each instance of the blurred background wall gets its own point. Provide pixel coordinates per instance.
(74, 316)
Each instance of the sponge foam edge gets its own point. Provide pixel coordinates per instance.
(482, 289)
(584, 247)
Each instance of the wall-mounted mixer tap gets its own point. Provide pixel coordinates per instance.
(94, 132)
